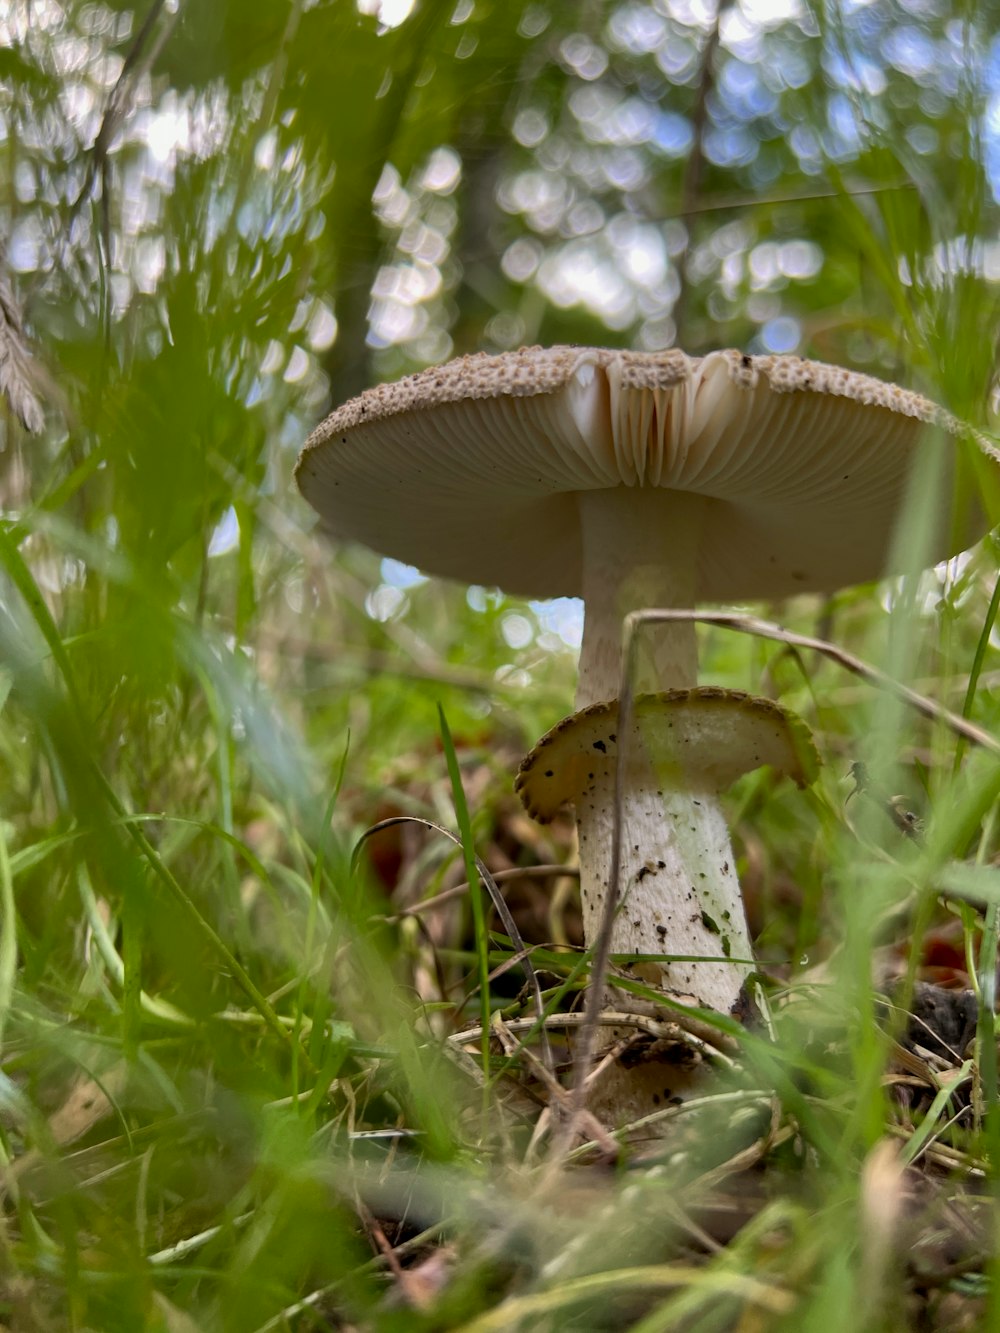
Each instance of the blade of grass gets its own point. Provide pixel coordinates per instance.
(75, 719)
(624, 1282)
(323, 1004)
(985, 980)
(8, 934)
(976, 669)
(151, 1004)
(482, 876)
(915, 1144)
(475, 891)
(132, 933)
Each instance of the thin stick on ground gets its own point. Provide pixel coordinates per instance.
(499, 877)
(720, 1047)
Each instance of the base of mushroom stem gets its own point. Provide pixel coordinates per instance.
(664, 1068)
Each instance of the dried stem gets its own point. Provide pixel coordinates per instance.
(763, 629)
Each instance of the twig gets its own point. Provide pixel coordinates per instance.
(693, 1104)
(499, 876)
(741, 1161)
(614, 1018)
(609, 1056)
(763, 629)
(374, 1228)
(558, 1095)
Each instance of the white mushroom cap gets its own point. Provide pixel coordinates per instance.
(473, 470)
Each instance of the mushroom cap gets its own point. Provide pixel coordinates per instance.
(703, 738)
(471, 469)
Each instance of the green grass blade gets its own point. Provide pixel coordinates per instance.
(475, 887)
(8, 934)
(976, 669)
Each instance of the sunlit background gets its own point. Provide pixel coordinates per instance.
(480, 178)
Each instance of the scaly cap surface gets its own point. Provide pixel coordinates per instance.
(471, 469)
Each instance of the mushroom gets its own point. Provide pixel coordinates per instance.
(683, 748)
(634, 480)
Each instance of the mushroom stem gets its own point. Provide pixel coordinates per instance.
(639, 550)
(679, 890)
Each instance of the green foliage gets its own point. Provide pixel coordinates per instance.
(225, 1074)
